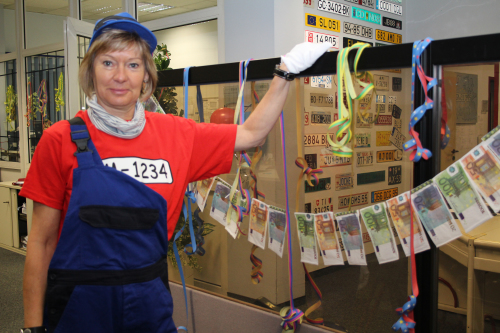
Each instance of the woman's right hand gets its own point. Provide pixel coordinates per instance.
(42, 243)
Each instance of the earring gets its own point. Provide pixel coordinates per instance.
(143, 90)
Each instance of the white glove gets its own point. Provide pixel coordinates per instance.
(303, 55)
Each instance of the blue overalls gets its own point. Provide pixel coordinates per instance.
(109, 270)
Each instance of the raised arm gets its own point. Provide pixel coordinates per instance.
(259, 124)
(41, 246)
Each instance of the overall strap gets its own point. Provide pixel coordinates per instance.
(86, 152)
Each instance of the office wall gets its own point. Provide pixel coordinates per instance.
(449, 19)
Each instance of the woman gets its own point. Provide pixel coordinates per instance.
(104, 184)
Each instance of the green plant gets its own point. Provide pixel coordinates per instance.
(59, 93)
(185, 239)
(165, 96)
(10, 106)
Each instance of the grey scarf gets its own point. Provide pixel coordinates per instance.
(114, 125)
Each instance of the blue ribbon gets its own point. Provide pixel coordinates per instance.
(200, 240)
(405, 323)
(243, 78)
(417, 114)
(179, 265)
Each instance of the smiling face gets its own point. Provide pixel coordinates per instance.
(118, 79)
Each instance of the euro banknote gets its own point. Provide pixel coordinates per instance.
(257, 227)
(327, 239)
(276, 218)
(307, 239)
(352, 238)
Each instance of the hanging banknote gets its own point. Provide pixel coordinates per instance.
(493, 142)
(484, 170)
(276, 218)
(233, 226)
(434, 214)
(307, 239)
(257, 228)
(378, 227)
(400, 209)
(352, 238)
(462, 197)
(327, 239)
(220, 203)
(202, 190)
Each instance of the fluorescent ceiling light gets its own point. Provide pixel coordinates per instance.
(152, 7)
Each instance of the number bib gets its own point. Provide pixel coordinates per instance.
(144, 170)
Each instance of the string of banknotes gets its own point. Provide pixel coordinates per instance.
(466, 193)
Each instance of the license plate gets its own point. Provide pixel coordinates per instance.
(318, 117)
(383, 138)
(323, 184)
(398, 155)
(397, 138)
(324, 81)
(398, 123)
(320, 38)
(343, 181)
(396, 111)
(313, 140)
(312, 160)
(348, 42)
(370, 177)
(322, 100)
(308, 3)
(384, 120)
(389, 37)
(392, 101)
(306, 118)
(368, 118)
(362, 140)
(389, 7)
(330, 160)
(358, 30)
(394, 175)
(334, 7)
(366, 15)
(357, 199)
(392, 23)
(384, 156)
(397, 83)
(383, 195)
(321, 206)
(364, 158)
(321, 22)
(366, 3)
(380, 99)
(381, 82)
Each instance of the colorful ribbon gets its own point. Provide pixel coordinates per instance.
(414, 145)
(345, 116)
(290, 315)
(315, 306)
(256, 274)
(406, 323)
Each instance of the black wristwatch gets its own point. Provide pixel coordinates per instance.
(282, 74)
(38, 329)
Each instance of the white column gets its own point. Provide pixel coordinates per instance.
(130, 6)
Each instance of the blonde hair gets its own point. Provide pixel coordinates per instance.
(117, 40)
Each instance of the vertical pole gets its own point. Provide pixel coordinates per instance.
(427, 262)
(130, 6)
(75, 9)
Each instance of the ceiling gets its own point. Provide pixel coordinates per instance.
(97, 9)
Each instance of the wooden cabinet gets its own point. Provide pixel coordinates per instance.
(12, 227)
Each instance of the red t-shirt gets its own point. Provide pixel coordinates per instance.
(191, 151)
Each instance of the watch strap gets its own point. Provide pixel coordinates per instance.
(38, 329)
(283, 74)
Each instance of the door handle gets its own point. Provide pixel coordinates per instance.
(6, 202)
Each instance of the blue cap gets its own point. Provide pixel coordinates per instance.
(126, 22)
